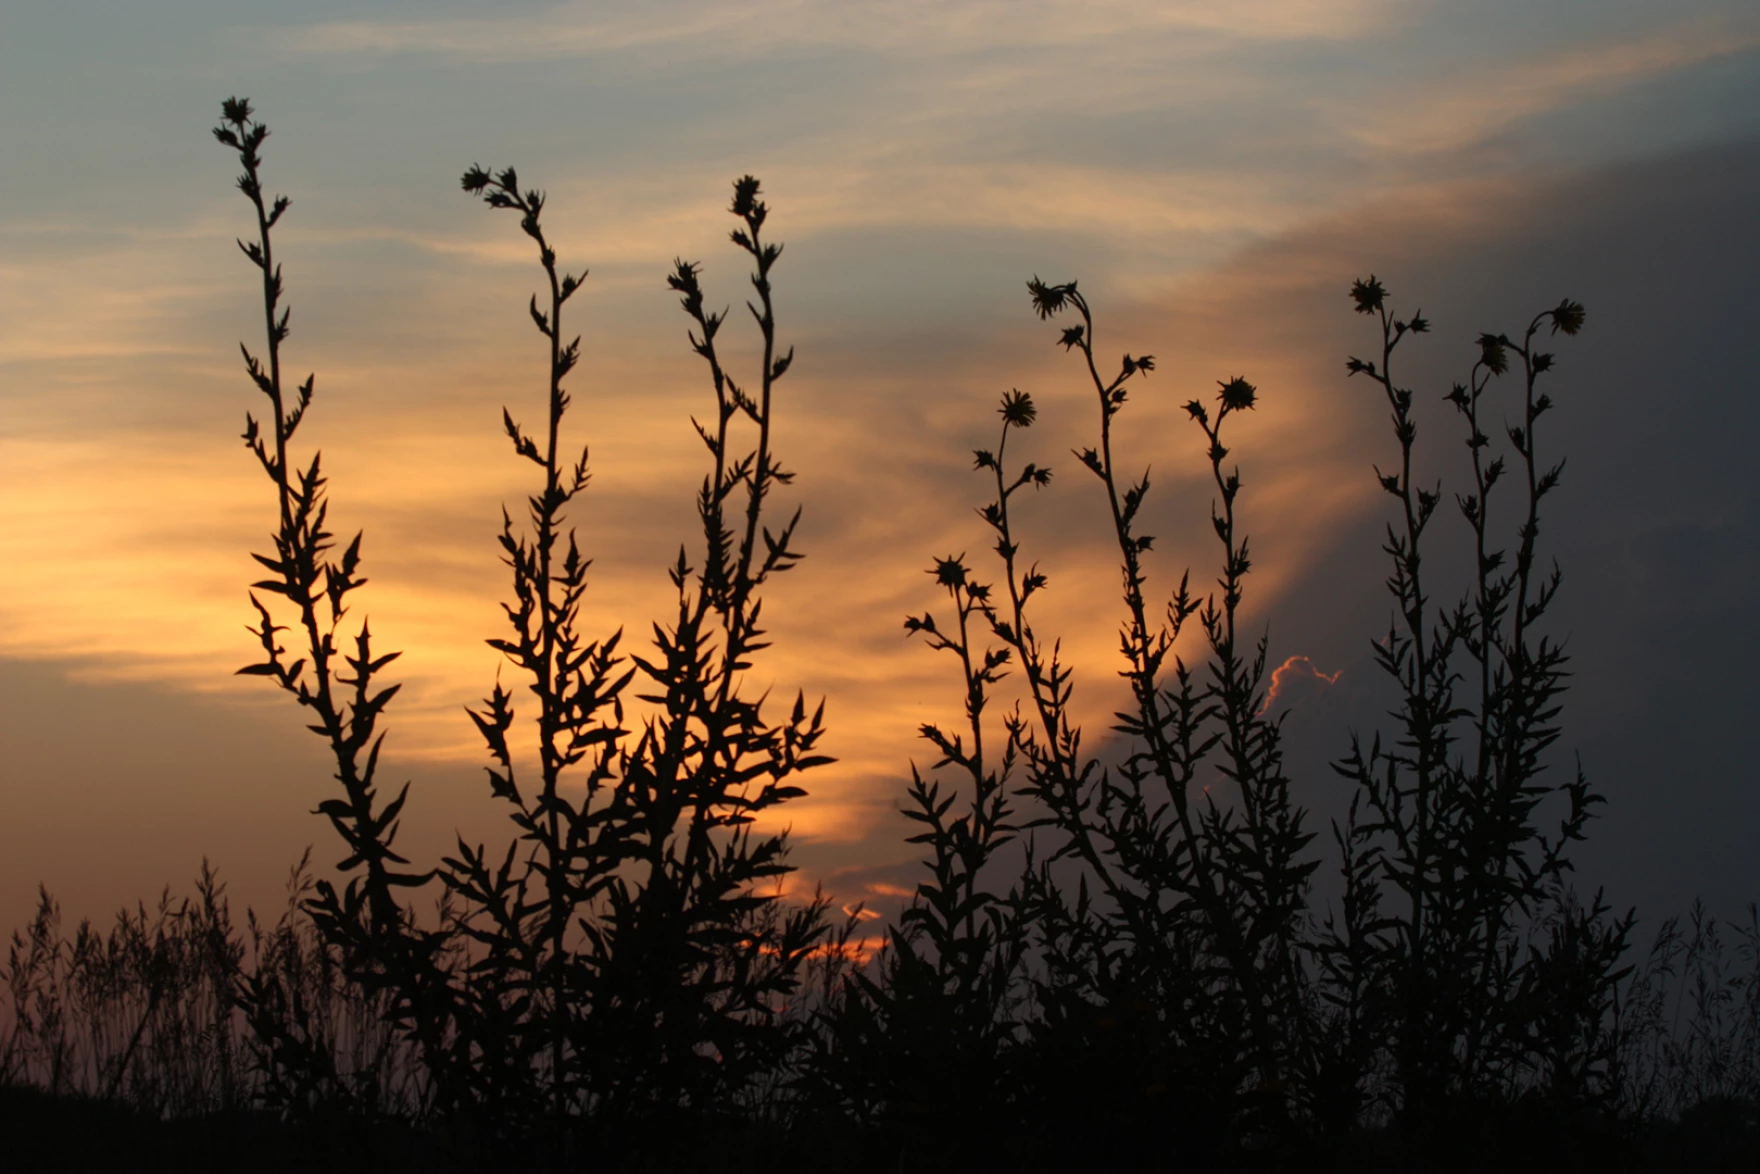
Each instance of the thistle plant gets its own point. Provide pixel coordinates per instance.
(975, 945)
(1482, 928)
(1416, 654)
(642, 897)
(1181, 858)
(578, 685)
(365, 918)
(696, 943)
(345, 709)
(635, 955)
(935, 1027)
(1150, 941)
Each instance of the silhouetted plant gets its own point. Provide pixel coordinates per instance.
(323, 1038)
(1688, 1020)
(575, 848)
(696, 945)
(1146, 961)
(142, 1014)
(1487, 979)
(365, 919)
(632, 949)
(922, 1046)
(1193, 840)
(314, 585)
(621, 958)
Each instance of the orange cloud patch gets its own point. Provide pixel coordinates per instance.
(884, 889)
(1286, 675)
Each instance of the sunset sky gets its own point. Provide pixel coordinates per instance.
(1214, 174)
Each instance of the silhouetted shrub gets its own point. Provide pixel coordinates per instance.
(622, 959)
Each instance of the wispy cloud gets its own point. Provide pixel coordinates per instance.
(917, 26)
(1451, 113)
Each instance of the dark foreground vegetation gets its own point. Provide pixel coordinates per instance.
(1115, 959)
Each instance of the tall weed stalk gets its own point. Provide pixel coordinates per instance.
(366, 918)
(1483, 976)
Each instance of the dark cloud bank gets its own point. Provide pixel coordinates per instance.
(1655, 526)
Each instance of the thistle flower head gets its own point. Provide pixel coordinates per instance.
(1237, 395)
(1568, 317)
(1017, 409)
(745, 196)
(1492, 353)
(1049, 299)
(950, 572)
(1369, 295)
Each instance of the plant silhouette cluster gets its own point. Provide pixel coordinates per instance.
(1115, 958)
(625, 956)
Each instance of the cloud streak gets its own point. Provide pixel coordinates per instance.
(1453, 114)
(590, 30)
